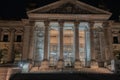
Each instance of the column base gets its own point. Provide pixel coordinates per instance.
(87, 64)
(44, 65)
(105, 64)
(77, 64)
(112, 65)
(101, 64)
(60, 64)
(94, 64)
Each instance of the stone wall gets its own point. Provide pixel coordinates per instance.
(5, 73)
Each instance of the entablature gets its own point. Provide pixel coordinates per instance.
(11, 24)
(84, 17)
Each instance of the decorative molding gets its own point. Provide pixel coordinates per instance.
(85, 17)
(25, 22)
(67, 8)
(115, 31)
(46, 23)
(57, 4)
(11, 24)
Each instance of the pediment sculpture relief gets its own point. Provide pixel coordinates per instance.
(69, 8)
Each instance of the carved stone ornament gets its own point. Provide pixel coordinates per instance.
(68, 8)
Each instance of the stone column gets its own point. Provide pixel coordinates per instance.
(26, 43)
(100, 41)
(102, 48)
(11, 48)
(108, 41)
(92, 41)
(94, 63)
(31, 41)
(87, 46)
(77, 64)
(46, 40)
(60, 64)
(0, 34)
(45, 62)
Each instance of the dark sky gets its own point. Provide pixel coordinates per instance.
(16, 9)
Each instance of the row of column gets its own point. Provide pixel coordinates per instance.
(45, 63)
(76, 45)
(76, 42)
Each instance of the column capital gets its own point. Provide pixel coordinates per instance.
(46, 23)
(12, 29)
(76, 23)
(32, 23)
(91, 24)
(106, 25)
(61, 23)
(25, 22)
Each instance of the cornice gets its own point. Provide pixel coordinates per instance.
(75, 2)
(4, 23)
(70, 16)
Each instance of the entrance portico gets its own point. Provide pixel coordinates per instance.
(68, 44)
(62, 39)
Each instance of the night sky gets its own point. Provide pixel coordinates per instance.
(16, 9)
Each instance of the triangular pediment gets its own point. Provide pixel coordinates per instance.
(69, 7)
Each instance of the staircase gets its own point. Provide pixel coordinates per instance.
(84, 70)
(96, 70)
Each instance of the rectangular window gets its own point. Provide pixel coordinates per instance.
(19, 38)
(115, 40)
(5, 38)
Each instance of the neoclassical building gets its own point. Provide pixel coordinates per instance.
(61, 35)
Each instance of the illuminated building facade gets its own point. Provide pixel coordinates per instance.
(64, 34)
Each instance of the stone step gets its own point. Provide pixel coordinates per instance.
(97, 70)
(85, 70)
